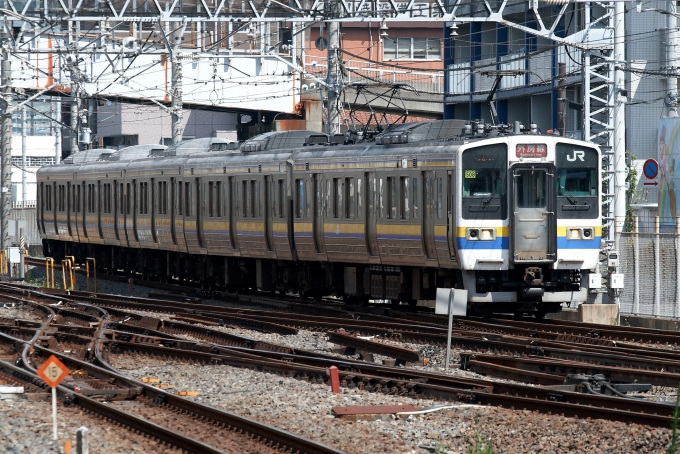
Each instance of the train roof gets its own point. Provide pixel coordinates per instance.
(95, 154)
(205, 144)
(136, 152)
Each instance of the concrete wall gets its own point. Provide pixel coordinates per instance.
(151, 124)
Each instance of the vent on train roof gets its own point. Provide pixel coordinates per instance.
(137, 152)
(277, 140)
(84, 156)
(421, 131)
(205, 144)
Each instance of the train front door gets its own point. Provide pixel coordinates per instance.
(533, 214)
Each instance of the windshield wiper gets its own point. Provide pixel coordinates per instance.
(570, 197)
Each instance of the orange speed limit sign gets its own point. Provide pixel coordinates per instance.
(53, 371)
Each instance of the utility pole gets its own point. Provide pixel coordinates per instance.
(176, 90)
(562, 97)
(57, 130)
(6, 165)
(619, 120)
(333, 75)
(23, 156)
(671, 82)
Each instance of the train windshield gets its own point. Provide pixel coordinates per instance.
(485, 182)
(577, 180)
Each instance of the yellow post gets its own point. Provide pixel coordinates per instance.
(94, 272)
(49, 264)
(73, 270)
(66, 264)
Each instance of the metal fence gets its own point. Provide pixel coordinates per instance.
(650, 261)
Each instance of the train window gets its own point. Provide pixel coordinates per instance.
(61, 197)
(78, 200)
(246, 199)
(530, 188)
(381, 198)
(404, 209)
(439, 198)
(308, 197)
(258, 199)
(211, 200)
(299, 198)
(337, 192)
(218, 199)
(327, 204)
(48, 198)
(128, 199)
(254, 193)
(187, 199)
(484, 182)
(577, 171)
(349, 198)
(392, 198)
(180, 198)
(282, 198)
(359, 200)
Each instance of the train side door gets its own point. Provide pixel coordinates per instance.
(200, 211)
(319, 243)
(533, 214)
(69, 207)
(371, 214)
(268, 208)
(233, 212)
(173, 210)
(428, 214)
(451, 214)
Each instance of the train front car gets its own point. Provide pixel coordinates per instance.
(529, 222)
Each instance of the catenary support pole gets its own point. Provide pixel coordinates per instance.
(333, 76)
(57, 130)
(657, 267)
(23, 156)
(671, 59)
(636, 262)
(562, 96)
(176, 90)
(6, 157)
(620, 171)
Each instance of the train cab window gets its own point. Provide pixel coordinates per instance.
(282, 198)
(404, 208)
(577, 172)
(392, 198)
(349, 198)
(484, 175)
(299, 198)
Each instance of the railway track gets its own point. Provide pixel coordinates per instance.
(170, 419)
(110, 334)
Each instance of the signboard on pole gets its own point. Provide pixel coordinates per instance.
(53, 372)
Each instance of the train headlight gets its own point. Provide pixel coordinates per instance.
(575, 234)
(481, 234)
(487, 234)
(580, 233)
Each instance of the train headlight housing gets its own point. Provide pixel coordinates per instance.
(575, 234)
(487, 234)
(580, 233)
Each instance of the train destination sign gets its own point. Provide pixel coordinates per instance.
(531, 150)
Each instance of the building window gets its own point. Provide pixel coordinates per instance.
(33, 161)
(412, 49)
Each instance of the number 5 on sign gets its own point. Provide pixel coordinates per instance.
(53, 372)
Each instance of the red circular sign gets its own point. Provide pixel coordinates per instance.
(650, 168)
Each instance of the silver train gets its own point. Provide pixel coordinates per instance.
(514, 219)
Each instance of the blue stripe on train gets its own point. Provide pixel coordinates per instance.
(499, 243)
(564, 243)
